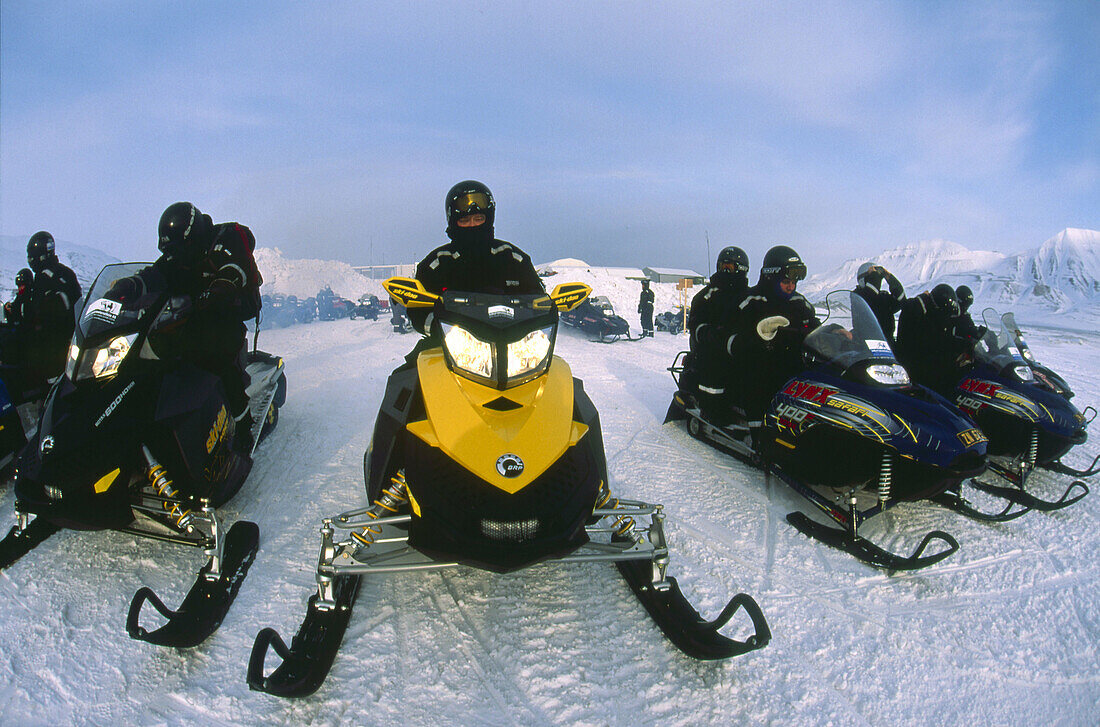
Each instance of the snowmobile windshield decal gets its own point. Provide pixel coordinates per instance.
(879, 349)
(972, 437)
(501, 311)
(111, 407)
(103, 310)
(812, 393)
(510, 465)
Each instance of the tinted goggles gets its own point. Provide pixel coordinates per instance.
(470, 202)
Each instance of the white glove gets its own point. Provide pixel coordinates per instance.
(767, 328)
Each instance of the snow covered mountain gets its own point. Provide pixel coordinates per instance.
(303, 278)
(1061, 276)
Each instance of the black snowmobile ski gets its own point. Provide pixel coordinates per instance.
(308, 660)
(867, 551)
(1016, 494)
(955, 502)
(209, 599)
(1064, 469)
(19, 542)
(682, 624)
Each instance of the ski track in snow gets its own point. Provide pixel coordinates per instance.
(1006, 631)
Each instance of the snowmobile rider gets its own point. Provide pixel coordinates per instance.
(47, 313)
(645, 308)
(964, 323)
(213, 264)
(15, 312)
(711, 323)
(774, 320)
(473, 261)
(884, 304)
(927, 343)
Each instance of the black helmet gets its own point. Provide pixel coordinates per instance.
(782, 263)
(734, 256)
(965, 296)
(184, 233)
(40, 250)
(24, 277)
(943, 295)
(469, 198)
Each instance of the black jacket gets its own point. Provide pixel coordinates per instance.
(645, 301)
(927, 344)
(715, 309)
(484, 266)
(55, 293)
(884, 304)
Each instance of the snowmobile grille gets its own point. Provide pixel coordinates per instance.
(518, 531)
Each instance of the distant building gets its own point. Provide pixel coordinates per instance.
(671, 275)
(382, 272)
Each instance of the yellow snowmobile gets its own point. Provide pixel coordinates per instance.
(488, 453)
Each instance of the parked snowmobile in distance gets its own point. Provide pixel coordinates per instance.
(488, 453)
(367, 309)
(670, 321)
(1031, 424)
(855, 438)
(135, 439)
(597, 317)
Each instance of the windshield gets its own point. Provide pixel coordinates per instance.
(846, 347)
(101, 313)
(1008, 323)
(1001, 349)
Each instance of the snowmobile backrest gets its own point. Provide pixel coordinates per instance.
(409, 292)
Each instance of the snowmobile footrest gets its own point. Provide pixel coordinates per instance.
(1026, 499)
(20, 542)
(308, 660)
(867, 551)
(683, 625)
(207, 602)
(957, 503)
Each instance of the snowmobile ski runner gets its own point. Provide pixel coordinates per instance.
(488, 453)
(899, 442)
(134, 438)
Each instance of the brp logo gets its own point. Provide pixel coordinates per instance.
(510, 465)
(47, 444)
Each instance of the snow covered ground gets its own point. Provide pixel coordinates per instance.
(1006, 631)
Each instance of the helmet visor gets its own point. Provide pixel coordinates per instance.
(794, 271)
(468, 203)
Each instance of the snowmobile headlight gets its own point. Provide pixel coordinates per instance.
(70, 362)
(892, 374)
(1028, 355)
(103, 362)
(468, 352)
(529, 353)
(1023, 373)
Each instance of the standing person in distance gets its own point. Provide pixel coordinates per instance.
(645, 308)
(49, 316)
(928, 345)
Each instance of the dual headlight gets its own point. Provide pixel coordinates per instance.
(519, 360)
(101, 362)
(891, 374)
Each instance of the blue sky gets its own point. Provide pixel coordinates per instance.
(624, 133)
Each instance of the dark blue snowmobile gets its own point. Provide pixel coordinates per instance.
(855, 437)
(134, 438)
(1025, 411)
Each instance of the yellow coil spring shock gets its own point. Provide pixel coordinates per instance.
(624, 524)
(158, 478)
(391, 498)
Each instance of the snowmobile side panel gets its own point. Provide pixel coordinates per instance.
(207, 602)
(308, 660)
(20, 542)
(682, 624)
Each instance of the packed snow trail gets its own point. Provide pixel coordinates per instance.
(1005, 631)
